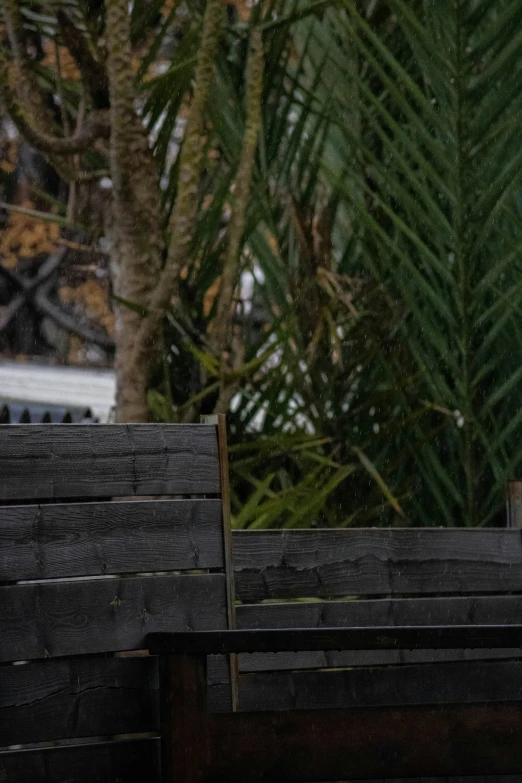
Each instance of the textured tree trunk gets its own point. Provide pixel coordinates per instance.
(131, 380)
(137, 243)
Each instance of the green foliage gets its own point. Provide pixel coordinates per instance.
(382, 339)
(436, 211)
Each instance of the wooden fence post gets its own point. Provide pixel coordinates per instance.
(514, 504)
(220, 422)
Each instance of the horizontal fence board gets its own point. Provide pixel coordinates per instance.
(328, 563)
(391, 686)
(104, 762)
(83, 539)
(82, 460)
(260, 662)
(78, 697)
(453, 610)
(71, 617)
(446, 610)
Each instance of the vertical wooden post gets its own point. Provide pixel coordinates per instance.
(514, 504)
(183, 683)
(220, 422)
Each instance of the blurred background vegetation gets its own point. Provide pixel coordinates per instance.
(373, 362)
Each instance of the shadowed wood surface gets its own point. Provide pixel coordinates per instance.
(455, 779)
(73, 617)
(78, 697)
(329, 563)
(420, 637)
(82, 460)
(365, 743)
(328, 745)
(83, 539)
(438, 683)
(135, 761)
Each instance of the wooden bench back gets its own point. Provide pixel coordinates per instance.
(83, 581)
(371, 577)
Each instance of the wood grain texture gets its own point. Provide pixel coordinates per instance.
(84, 539)
(71, 617)
(453, 610)
(135, 761)
(329, 563)
(79, 460)
(390, 686)
(78, 697)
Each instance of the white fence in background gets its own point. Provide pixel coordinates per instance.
(68, 386)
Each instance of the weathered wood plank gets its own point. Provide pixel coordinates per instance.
(329, 563)
(71, 617)
(446, 610)
(83, 539)
(79, 460)
(103, 762)
(453, 610)
(390, 686)
(78, 697)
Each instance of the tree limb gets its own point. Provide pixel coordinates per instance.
(224, 336)
(253, 97)
(35, 120)
(191, 159)
(96, 125)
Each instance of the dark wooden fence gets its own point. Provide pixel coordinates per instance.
(377, 577)
(97, 577)
(83, 582)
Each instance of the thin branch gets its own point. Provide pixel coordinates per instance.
(59, 86)
(191, 160)
(15, 32)
(224, 336)
(96, 125)
(253, 97)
